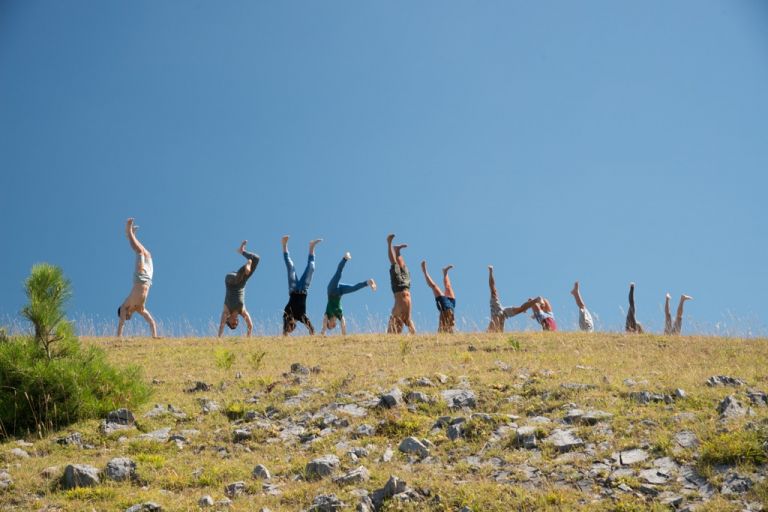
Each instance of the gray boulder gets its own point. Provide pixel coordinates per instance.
(321, 467)
(147, 506)
(121, 417)
(391, 399)
(630, 457)
(120, 469)
(525, 437)
(234, 489)
(653, 476)
(686, 439)
(205, 501)
(564, 440)
(735, 484)
(198, 386)
(417, 397)
(724, 380)
(758, 398)
(327, 503)
(72, 439)
(364, 430)
(731, 408)
(79, 475)
(160, 435)
(458, 398)
(413, 445)
(19, 453)
(393, 487)
(354, 476)
(299, 369)
(594, 417)
(261, 472)
(241, 434)
(5, 481)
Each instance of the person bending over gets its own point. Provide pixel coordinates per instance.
(676, 327)
(234, 300)
(632, 325)
(585, 318)
(499, 314)
(336, 289)
(400, 280)
(446, 302)
(296, 309)
(142, 281)
(542, 313)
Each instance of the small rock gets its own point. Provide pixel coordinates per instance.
(671, 499)
(326, 503)
(19, 453)
(724, 380)
(680, 393)
(223, 503)
(423, 382)
(121, 417)
(630, 457)
(241, 434)
(147, 506)
(526, 437)
(387, 455)
(564, 440)
(299, 369)
(594, 417)
(205, 501)
(354, 476)
(731, 408)
(353, 410)
(577, 386)
(454, 432)
(208, 406)
(573, 415)
(234, 489)
(417, 397)
(393, 487)
(261, 471)
(120, 469)
(686, 439)
(758, 398)
(735, 484)
(72, 439)
(198, 386)
(653, 476)
(413, 445)
(364, 430)
(321, 467)
(47, 473)
(391, 399)
(458, 398)
(79, 475)
(5, 481)
(160, 435)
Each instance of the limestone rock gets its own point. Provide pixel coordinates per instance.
(234, 489)
(79, 475)
(120, 469)
(260, 471)
(354, 476)
(391, 399)
(458, 398)
(731, 408)
(564, 440)
(413, 445)
(321, 467)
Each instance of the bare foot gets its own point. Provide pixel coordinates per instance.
(313, 243)
(575, 289)
(390, 237)
(667, 296)
(347, 256)
(447, 268)
(490, 267)
(424, 265)
(686, 297)
(284, 241)
(241, 250)
(400, 247)
(372, 284)
(631, 285)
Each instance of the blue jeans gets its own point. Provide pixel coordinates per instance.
(299, 285)
(337, 288)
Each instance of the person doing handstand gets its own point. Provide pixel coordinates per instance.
(336, 289)
(446, 302)
(400, 280)
(234, 300)
(585, 318)
(499, 314)
(296, 309)
(632, 325)
(142, 280)
(674, 328)
(542, 313)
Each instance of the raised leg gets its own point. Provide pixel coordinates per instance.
(344, 289)
(679, 318)
(435, 289)
(631, 325)
(447, 282)
(577, 296)
(289, 266)
(667, 316)
(306, 278)
(333, 285)
(390, 250)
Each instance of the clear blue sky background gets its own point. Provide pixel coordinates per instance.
(602, 141)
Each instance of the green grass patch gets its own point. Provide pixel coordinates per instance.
(737, 447)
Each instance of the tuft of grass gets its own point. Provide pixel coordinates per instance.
(235, 410)
(256, 360)
(513, 343)
(738, 447)
(151, 459)
(90, 494)
(224, 358)
(397, 428)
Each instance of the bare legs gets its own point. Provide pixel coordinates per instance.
(676, 327)
(136, 301)
(585, 318)
(632, 325)
(401, 283)
(497, 312)
(577, 296)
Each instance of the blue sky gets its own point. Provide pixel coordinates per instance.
(601, 141)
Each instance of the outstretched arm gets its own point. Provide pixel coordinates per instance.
(223, 321)
(248, 321)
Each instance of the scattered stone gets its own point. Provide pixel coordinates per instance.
(646, 397)
(234, 490)
(539, 420)
(208, 406)
(393, 487)
(391, 399)
(79, 475)
(630, 457)
(19, 453)
(387, 455)
(72, 439)
(160, 435)
(353, 410)
(525, 437)
(205, 501)
(577, 386)
(147, 506)
(670, 499)
(299, 369)
(326, 503)
(354, 476)
(653, 476)
(321, 467)
(724, 380)
(573, 415)
(564, 440)
(758, 398)
(5, 481)
(241, 434)
(121, 469)
(198, 386)
(417, 397)
(121, 417)
(731, 408)
(680, 393)
(223, 503)
(158, 411)
(413, 445)
(441, 378)
(261, 471)
(424, 382)
(271, 489)
(686, 439)
(735, 484)
(47, 473)
(630, 383)
(458, 398)
(364, 430)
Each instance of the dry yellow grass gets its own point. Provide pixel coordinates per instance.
(537, 364)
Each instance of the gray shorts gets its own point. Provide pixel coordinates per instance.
(585, 320)
(496, 308)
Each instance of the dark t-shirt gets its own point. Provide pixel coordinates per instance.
(235, 284)
(297, 306)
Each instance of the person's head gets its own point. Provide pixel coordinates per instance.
(232, 320)
(289, 324)
(124, 312)
(331, 322)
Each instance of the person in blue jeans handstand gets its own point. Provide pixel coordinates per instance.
(336, 289)
(296, 309)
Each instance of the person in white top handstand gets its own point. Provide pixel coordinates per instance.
(142, 280)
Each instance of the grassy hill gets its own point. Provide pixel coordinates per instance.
(637, 423)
